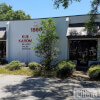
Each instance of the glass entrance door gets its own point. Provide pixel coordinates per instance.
(83, 51)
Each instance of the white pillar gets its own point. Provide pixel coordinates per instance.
(7, 41)
(67, 20)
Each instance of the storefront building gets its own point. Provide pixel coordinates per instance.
(75, 43)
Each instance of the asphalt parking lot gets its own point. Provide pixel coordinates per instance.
(16, 87)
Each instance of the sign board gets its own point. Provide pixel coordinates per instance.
(26, 42)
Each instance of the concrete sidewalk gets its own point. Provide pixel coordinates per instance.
(16, 87)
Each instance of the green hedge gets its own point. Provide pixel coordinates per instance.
(14, 65)
(33, 65)
(94, 72)
(65, 68)
(38, 69)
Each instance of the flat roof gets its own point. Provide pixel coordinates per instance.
(49, 17)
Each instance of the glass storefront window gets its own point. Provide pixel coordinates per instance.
(78, 48)
(73, 50)
(92, 50)
(2, 49)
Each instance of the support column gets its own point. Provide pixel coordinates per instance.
(7, 41)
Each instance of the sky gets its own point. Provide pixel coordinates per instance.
(45, 8)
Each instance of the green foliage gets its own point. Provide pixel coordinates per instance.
(94, 72)
(19, 14)
(61, 64)
(33, 65)
(38, 71)
(95, 5)
(14, 65)
(46, 47)
(65, 3)
(49, 73)
(36, 67)
(90, 26)
(27, 71)
(22, 71)
(7, 13)
(65, 68)
(4, 8)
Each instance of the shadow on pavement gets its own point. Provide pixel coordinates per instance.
(44, 89)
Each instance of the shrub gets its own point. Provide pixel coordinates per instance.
(94, 72)
(38, 68)
(37, 71)
(34, 65)
(14, 65)
(61, 64)
(65, 68)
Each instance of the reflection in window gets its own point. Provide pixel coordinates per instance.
(73, 50)
(2, 49)
(80, 47)
(92, 50)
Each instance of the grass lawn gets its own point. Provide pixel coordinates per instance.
(27, 71)
(22, 71)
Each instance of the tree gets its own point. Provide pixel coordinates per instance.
(46, 47)
(64, 3)
(7, 13)
(95, 4)
(19, 14)
(90, 25)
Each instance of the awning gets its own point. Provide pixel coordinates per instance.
(2, 34)
(76, 31)
(81, 32)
